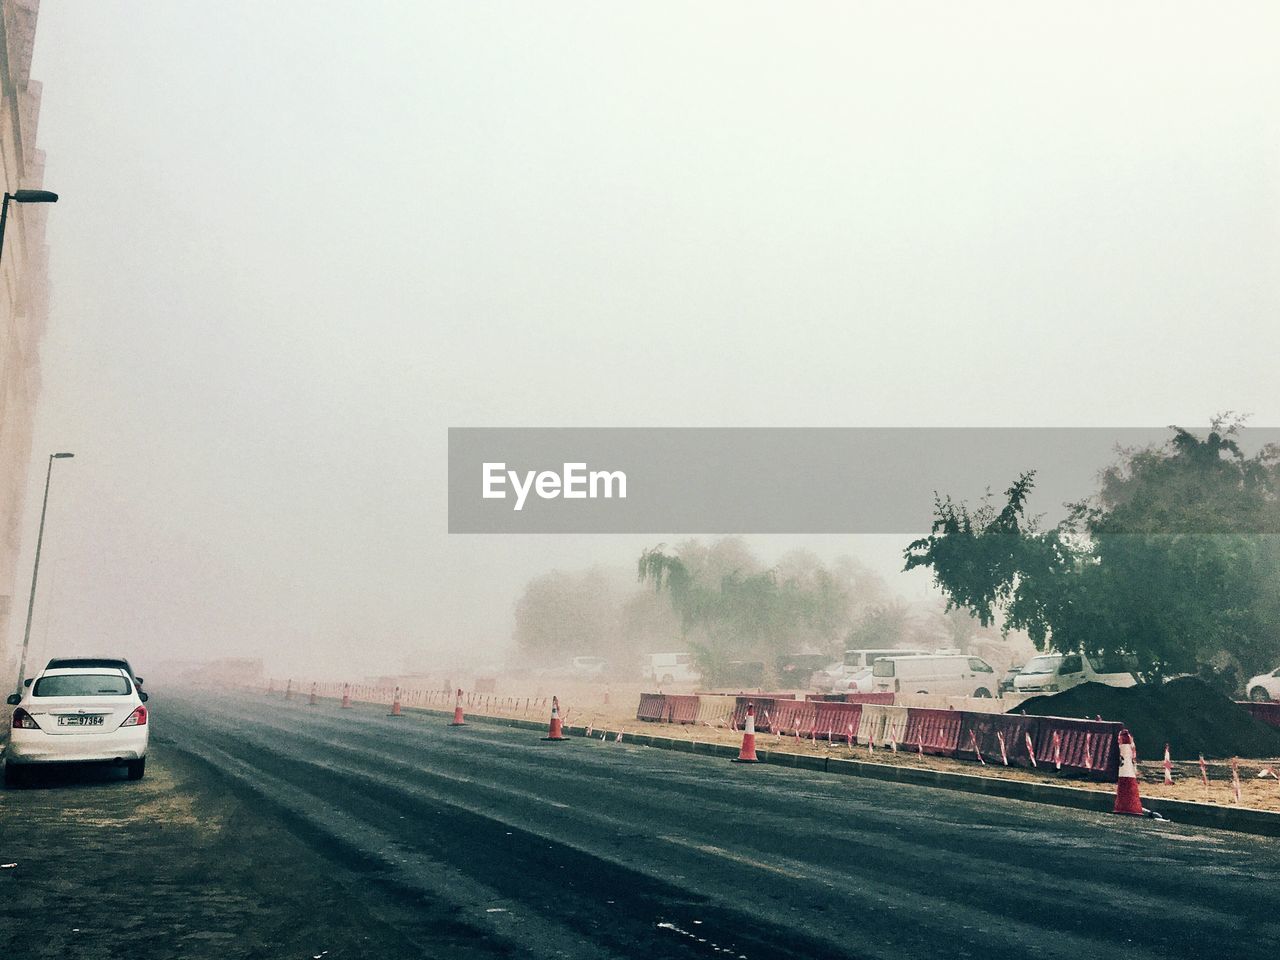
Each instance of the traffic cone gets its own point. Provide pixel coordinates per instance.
(1127, 799)
(555, 733)
(748, 752)
(457, 713)
(346, 696)
(288, 689)
(395, 704)
(312, 701)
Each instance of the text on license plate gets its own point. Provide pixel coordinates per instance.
(85, 721)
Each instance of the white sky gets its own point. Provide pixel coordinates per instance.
(298, 240)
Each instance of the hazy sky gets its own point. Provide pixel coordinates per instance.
(298, 240)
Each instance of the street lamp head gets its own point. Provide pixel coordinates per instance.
(35, 196)
(61, 456)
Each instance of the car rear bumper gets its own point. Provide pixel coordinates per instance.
(36, 746)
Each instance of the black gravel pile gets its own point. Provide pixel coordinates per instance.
(1187, 714)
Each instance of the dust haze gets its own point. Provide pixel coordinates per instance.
(298, 241)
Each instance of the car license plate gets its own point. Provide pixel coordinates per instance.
(94, 720)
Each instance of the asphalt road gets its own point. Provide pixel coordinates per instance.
(491, 842)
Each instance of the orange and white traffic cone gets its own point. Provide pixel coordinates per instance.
(1127, 798)
(458, 720)
(288, 689)
(555, 733)
(748, 752)
(395, 704)
(346, 696)
(312, 701)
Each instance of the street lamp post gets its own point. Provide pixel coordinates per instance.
(22, 196)
(35, 571)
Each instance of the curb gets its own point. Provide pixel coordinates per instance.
(1239, 819)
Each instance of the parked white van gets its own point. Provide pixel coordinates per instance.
(853, 673)
(1055, 672)
(857, 660)
(673, 668)
(947, 674)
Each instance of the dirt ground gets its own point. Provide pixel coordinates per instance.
(174, 865)
(583, 703)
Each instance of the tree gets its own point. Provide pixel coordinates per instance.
(731, 609)
(1175, 559)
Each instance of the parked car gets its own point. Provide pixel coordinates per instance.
(1263, 687)
(1006, 682)
(77, 715)
(860, 681)
(1056, 672)
(826, 679)
(801, 671)
(673, 668)
(949, 674)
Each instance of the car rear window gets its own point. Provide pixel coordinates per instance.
(82, 685)
(882, 668)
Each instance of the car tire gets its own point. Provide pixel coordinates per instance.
(982, 693)
(14, 775)
(1259, 695)
(136, 768)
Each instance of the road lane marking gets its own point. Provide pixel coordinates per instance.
(735, 857)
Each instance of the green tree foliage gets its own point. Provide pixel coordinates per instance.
(730, 608)
(1176, 559)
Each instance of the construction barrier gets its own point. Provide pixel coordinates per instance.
(653, 707)
(715, 710)
(933, 731)
(1080, 746)
(882, 724)
(997, 736)
(883, 699)
(1267, 712)
(833, 719)
(787, 717)
(681, 708)
(739, 717)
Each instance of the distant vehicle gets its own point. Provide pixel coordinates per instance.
(863, 681)
(1006, 682)
(800, 671)
(77, 715)
(825, 680)
(1056, 672)
(587, 666)
(948, 674)
(673, 668)
(1264, 687)
(866, 657)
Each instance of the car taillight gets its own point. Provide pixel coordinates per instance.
(136, 719)
(23, 721)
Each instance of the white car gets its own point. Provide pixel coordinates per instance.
(1263, 687)
(1055, 672)
(860, 681)
(78, 715)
